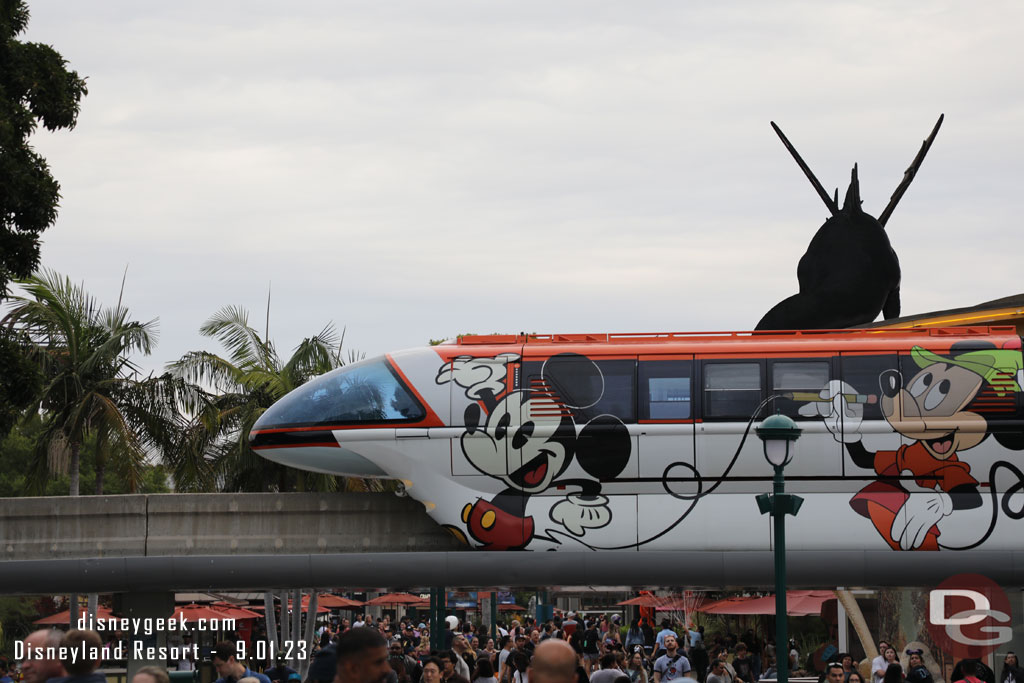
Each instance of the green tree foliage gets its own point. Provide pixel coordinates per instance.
(213, 451)
(90, 388)
(19, 380)
(35, 86)
(16, 451)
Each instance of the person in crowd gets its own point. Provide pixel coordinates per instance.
(324, 666)
(718, 673)
(534, 641)
(398, 673)
(972, 671)
(917, 672)
(609, 669)
(396, 653)
(699, 659)
(672, 664)
(151, 674)
(722, 653)
(634, 636)
(846, 660)
(893, 673)
(834, 673)
(488, 652)
(649, 638)
(521, 662)
(455, 669)
(591, 647)
(854, 677)
(635, 668)
(1012, 672)
(5, 668)
(743, 665)
(83, 670)
(554, 661)
(891, 658)
(504, 665)
(878, 664)
(37, 670)
(432, 670)
(279, 672)
(461, 646)
(362, 657)
(228, 667)
(484, 672)
(659, 641)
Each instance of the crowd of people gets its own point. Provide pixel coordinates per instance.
(594, 650)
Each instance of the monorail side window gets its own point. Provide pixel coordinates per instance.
(731, 390)
(665, 389)
(587, 387)
(863, 374)
(796, 383)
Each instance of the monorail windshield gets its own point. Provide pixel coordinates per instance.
(365, 392)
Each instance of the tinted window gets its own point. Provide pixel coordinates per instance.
(665, 389)
(863, 373)
(367, 391)
(797, 383)
(587, 387)
(731, 389)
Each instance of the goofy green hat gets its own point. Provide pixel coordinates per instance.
(999, 367)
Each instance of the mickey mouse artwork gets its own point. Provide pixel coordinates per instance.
(542, 444)
(924, 483)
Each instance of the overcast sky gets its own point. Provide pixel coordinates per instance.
(413, 170)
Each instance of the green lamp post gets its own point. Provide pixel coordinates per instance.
(779, 434)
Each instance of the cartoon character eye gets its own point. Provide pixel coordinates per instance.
(937, 395)
(920, 385)
(502, 427)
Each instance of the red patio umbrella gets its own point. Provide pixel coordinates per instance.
(234, 611)
(102, 614)
(194, 612)
(395, 599)
(333, 601)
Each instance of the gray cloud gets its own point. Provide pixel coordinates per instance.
(416, 170)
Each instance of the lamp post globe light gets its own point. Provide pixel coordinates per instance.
(779, 434)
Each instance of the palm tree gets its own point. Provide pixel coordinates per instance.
(214, 448)
(90, 386)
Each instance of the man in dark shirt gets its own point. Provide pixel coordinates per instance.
(229, 668)
(743, 665)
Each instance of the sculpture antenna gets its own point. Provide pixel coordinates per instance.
(833, 206)
(908, 175)
(852, 202)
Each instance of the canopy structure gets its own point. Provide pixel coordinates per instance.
(234, 611)
(102, 614)
(798, 604)
(195, 612)
(511, 608)
(395, 599)
(331, 601)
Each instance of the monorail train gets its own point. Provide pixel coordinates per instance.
(910, 441)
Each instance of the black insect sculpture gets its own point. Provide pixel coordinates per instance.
(849, 272)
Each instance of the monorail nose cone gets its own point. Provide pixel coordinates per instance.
(890, 383)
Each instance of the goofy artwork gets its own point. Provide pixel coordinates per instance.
(527, 439)
(939, 410)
